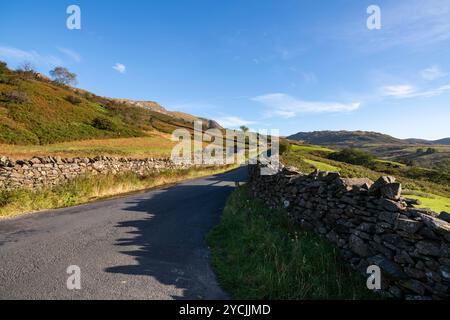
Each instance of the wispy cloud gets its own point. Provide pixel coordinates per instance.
(120, 68)
(19, 55)
(432, 73)
(75, 56)
(233, 122)
(287, 106)
(398, 90)
(407, 91)
(414, 23)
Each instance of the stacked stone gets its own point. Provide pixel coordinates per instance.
(41, 172)
(371, 223)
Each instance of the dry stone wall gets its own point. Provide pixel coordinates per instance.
(371, 223)
(41, 172)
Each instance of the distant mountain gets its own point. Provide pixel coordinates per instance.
(344, 138)
(358, 139)
(156, 107)
(443, 141)
(411, 151)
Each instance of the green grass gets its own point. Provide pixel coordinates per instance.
(434, 202)
(311, 148)
(321, 166)
(393, 163)
(89, 188)
(258, 253)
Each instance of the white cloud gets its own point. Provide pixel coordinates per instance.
(434, 92)
(406, 91)
(233, 122)
(432, 73)
(287, 106)
(120, 68)
(398, 91)
(19, 55)
(71, 54)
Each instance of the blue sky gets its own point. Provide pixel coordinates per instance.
(282, 64)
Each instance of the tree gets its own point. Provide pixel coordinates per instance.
(285, 146)
(26, 67)
(244, 128)
(353, 156)
(63, 76)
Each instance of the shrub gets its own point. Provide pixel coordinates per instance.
(285, 146)
(103, 123)
(8, 79)
(353, 156)
(26, 70)
(3, 67)
(17, 96)
(73, 100)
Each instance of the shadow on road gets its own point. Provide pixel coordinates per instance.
(168, 242)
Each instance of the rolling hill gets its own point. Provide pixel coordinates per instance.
(419, 152)
(37, 111)
(344, 138)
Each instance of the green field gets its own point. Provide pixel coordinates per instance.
(310, 148)
(321, 166)
(393, 163)
(434, 202)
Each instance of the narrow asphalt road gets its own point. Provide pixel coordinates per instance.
(149, 245)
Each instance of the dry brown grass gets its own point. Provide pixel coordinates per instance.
(88, 189)
(155, 145)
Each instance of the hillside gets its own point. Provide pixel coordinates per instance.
(431, 187)
(419, 152)
(344, 138)
(37, 111)
(359, 138)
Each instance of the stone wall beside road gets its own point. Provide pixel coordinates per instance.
(371, 223)
(41, 172)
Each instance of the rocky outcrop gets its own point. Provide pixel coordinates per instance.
(371, 224)
(41, 172)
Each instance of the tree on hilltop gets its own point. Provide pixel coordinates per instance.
(244, 129)
(62, 75)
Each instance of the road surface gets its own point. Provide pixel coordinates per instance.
(149, 245)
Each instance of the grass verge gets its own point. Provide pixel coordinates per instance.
(258, 253)
(434, 202)
(85, 189)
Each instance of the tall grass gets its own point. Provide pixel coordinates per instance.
(258, 253)
(89, 188)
